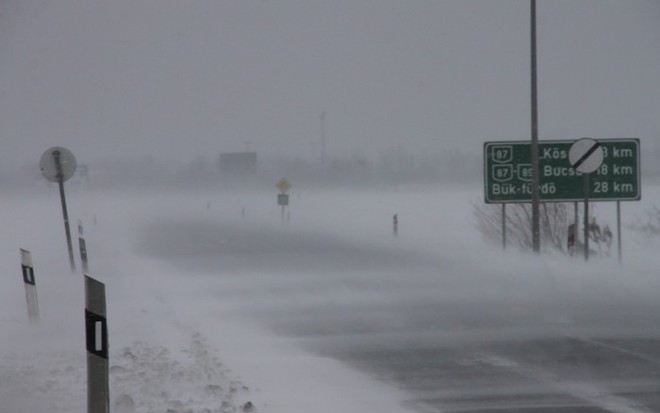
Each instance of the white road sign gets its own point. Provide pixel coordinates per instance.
(586, 155)
(57, 164)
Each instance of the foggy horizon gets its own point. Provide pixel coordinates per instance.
(179, 81)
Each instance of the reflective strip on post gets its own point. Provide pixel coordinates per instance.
(96, 328)
(28, 275)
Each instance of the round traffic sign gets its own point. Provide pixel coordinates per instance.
(57, 164)
(283, 185)
(585, 155)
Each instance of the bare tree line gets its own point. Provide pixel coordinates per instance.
(556, 220)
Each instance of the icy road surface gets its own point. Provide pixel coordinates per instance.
(457, 326)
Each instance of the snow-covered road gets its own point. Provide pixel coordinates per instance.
(215, 306)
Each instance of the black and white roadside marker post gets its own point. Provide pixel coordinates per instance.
(30, 286)
(395, 225)
(83, 249)
(58, 164)
(96, 329)
(586, 156)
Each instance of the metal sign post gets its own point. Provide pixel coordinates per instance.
(96, 329)
(67, 230)
(283, 198)
(534, 153)
(283, 201)
(503, 226)
(586, 216)
(618, 228)
(586, 156)
(58, 165)
(30, 285)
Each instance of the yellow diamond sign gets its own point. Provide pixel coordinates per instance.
(283, 185)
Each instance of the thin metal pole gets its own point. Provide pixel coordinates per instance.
(503, 226)
(618, 228)
(576, 225)
(67, 230)
(536, 228)
(586, 217)
(323, 138)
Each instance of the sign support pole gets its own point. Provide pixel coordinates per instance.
(283, 198)
(65, 213)
(576, 222)
(618, 228)
(67, 230)
(586, 217)
(536, 226)
(503, 226)
(585, 156)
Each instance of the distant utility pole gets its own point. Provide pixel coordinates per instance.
(323, 138)
(536, 233)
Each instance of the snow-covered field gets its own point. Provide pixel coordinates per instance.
(185, 332)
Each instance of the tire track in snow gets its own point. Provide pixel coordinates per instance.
(590, 393)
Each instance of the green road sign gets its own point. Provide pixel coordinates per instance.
(508, 172)
(283, 199)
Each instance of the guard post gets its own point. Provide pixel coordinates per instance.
(83, 249)
(395, 225)
(96, 331)
(30, 286)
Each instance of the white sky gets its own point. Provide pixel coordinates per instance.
(183, 79)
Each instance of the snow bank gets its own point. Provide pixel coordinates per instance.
(169, 351)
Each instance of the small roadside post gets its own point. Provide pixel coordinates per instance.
(58, 164)
(586, 156)
(83, 249)
(395, 225)
(96, 334)
(570, 242)
(283, 198)
(30, 286)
